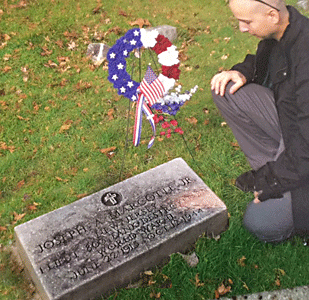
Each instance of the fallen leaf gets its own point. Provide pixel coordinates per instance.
(122, 13)
(7, 69)
(197, 281)
(140, 22)
(21, 4)
(106, 150)
(20, 184)
(230, 281)
(60, 179)
(222, 290)
(217, 295)
(151, 282)
(17, 216)
(149, 273)
(241, 261)
(206, 122)
(64, 127)
(154, 295)
(192, 120)
(3, 228)
(110, 114)
(277, 282)
(79, 196)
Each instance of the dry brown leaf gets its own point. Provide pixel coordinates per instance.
(32, 207)
(192, 120)
(21, 4)
(110, 114)
(3, 228)
(122, 13)
(106, 150)
(20, 184)
(206, 122)
(154, 295)
(149, 273)
(79, 196)
(217, 295)
(197, 282)
(241, 261)
(7, 69)
(64, 127)
(222, 290)
(277, 282)
(17, 216)
(140, 22)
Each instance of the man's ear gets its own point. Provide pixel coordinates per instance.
(274, 16)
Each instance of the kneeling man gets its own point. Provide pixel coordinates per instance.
(265, 101)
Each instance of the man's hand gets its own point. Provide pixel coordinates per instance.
(219, 82)
(256, 197)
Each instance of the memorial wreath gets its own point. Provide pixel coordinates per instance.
(152, 91)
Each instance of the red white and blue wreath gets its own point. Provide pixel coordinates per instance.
(152, 91)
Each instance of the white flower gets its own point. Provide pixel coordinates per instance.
(148, 37)
(168, 83)
(169, 57)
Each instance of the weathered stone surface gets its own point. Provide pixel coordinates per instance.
(168, 31)
(106, 239)
(97, 52)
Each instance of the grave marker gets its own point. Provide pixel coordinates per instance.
(105, 240)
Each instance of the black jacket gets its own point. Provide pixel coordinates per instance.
(290, 78)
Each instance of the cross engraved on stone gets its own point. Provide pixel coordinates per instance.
(111, 198)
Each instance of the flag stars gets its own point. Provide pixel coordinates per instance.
(115, 77)
(125, 52)
(122, 89)
(136, 33)
(133, 42)
(134, 98)
(120, 66)
(112, 55)
(130, 84)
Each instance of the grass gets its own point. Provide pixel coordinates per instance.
(55, 119)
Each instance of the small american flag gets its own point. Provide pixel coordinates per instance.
(151, 87)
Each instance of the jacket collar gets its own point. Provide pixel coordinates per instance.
(293, 29)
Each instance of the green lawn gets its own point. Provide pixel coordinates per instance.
(58, 112)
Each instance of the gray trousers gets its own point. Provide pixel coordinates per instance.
(253, 118)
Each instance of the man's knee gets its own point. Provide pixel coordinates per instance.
(266, 228)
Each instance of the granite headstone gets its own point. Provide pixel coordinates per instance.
(105, 240)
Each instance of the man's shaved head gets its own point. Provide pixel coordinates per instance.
(261, 18)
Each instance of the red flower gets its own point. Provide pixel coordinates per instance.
(156, 119)
(161, 118)
(179, 130)
(169, 131)
(162, 44)
(174, 123)
(171, 72)
(162, 133)
(165, 125)
(168, 135)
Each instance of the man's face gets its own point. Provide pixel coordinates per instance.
(252, 18)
